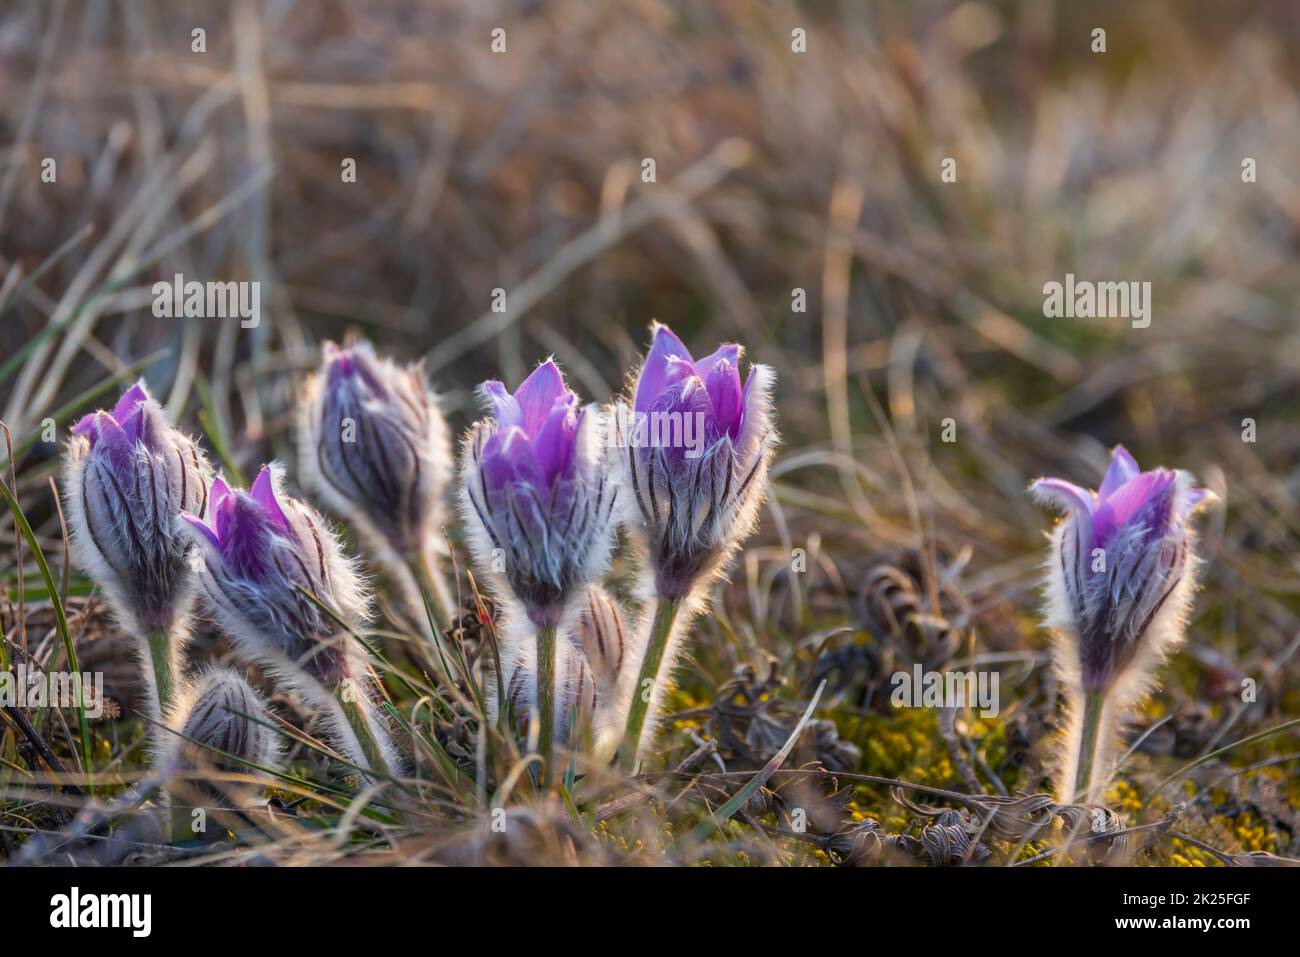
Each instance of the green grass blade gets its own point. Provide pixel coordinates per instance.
(211, 424)
(62, 619)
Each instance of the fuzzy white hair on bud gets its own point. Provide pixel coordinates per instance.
(127, 476)
(561, 560)
(374, 445)
(266, 601)
(1114, 623)
(222, 736)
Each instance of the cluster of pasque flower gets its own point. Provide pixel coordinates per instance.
(156, 529)
(544, 484)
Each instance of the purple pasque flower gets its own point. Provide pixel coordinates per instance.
(535, 493)
(258, 550)
(1122, 567)
(375, 446)
(128, 475)
(695, 446)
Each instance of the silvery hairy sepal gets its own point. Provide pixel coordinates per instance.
(225, 735)
(611, 649)
(374, 445)
(258, 551)
(225, 725)
(602, 635)
(694, 447)
(127, 477)
(537, 500)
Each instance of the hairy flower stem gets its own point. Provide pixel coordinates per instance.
(430, 583)
(1088, 746)
(164, 681)
(660, 630)
(164, 672)
(356, 709)
(546, 699)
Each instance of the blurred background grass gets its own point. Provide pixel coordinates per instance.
(776, 171)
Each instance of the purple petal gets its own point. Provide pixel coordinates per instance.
(553, 445)
(508, 458)
(677, 409)
(675, 374)
(263, 492)
(722, 381)
(1065, 495)
(222, 516)
(245, 539)
(1146, 498)
(338, 363)
(220, 492)
(219, 505)
(339, 367)
(728, 352)
(133, 424)
(86, 426)
(112, 442)
(1122, 468)
(196, 523)
(537, 394)
(131, 399)
(504, 407)
(657, 373)
(355, 370)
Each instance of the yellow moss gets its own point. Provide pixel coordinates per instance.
(1124, 798)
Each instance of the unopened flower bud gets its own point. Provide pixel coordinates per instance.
(228, 722)
(128, 476)
(375, 446)
(601, 634)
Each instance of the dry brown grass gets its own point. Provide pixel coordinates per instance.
(775, 171)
